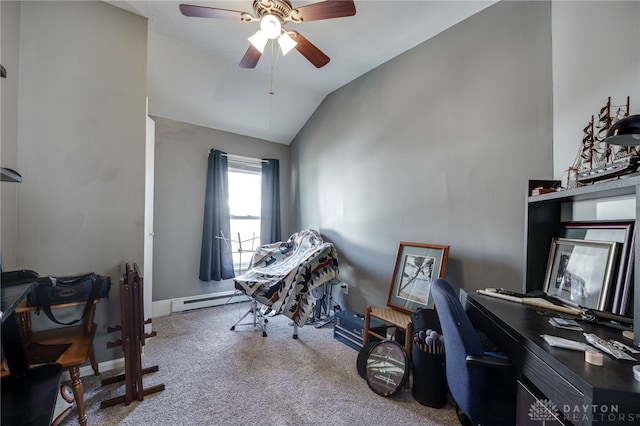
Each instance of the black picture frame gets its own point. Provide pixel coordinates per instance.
(387, 368)
(579, 272)
(622, 232)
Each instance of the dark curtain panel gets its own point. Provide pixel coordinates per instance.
(216, 262)
(270, 228)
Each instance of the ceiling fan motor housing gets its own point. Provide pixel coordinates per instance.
(281, 9)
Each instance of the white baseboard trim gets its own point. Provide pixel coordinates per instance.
(161, 308)
(182, 304)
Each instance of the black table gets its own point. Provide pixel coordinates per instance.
(560, 379)
(28, 394)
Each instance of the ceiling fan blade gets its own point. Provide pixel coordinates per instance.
(250, 58)
(326, 10)
(210, 12)
(309, 51)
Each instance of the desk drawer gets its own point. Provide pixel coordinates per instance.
(552, 385)
(532, 409)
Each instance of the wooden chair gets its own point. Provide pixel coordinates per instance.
(400, 321)
(415, 263)
(80, 348)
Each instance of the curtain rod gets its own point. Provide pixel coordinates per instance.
(242, 159)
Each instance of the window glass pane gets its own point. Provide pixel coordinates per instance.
(244, 194)
(244, 207)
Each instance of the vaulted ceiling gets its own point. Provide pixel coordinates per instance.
(193, 72)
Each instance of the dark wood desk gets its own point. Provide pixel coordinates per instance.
(28, 394)
(581, 393)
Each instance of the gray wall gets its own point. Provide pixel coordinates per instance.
(589, 66)
(80, 147)
(180, 177)
(435, 146)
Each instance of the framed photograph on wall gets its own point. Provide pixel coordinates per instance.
(622, 233)
(579, 272)
(417, 265)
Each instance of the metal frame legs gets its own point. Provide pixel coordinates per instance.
(259, 321)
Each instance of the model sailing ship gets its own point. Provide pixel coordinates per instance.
(597, 160)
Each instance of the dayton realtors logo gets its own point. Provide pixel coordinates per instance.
(544, 410)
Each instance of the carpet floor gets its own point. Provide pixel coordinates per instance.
(214, 376)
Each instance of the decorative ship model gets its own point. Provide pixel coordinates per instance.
(597, 160)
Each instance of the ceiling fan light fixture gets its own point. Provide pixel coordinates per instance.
(273, 15)
(259, 40)
(271, 26)
(286, 43)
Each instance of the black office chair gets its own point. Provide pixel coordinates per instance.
(481, 383)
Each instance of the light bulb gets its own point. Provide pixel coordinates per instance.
(271, 26)
(259, 40)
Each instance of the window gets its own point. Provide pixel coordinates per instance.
(245, 179)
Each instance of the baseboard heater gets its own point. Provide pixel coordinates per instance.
(207, 300)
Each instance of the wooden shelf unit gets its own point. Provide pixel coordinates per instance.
(543, 218)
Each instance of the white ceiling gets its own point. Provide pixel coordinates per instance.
(193, 72)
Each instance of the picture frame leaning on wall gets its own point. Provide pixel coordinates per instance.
(620, 231)
(580, 272)
(417, 265)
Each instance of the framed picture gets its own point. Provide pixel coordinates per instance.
(623, 297)
(387, 368)
(622, 233)
(579, 272)
(417, 265)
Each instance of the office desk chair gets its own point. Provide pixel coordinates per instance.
(481, 383)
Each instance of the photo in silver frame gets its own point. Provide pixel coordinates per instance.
(580, 272)
(620, 231)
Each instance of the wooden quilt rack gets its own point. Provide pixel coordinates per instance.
(132, 339)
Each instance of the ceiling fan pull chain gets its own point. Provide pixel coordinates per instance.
(270, 110)
(274, 54)
(274, 58)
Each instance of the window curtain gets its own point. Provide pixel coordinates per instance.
(270, 228)
(216, 262)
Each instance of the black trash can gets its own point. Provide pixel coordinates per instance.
(427, 362)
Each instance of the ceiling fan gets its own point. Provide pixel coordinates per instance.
(273, 15)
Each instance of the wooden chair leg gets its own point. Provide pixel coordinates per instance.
(365, 332)
(78, 393)
(94, 362)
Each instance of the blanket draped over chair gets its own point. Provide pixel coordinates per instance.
(281, 275)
